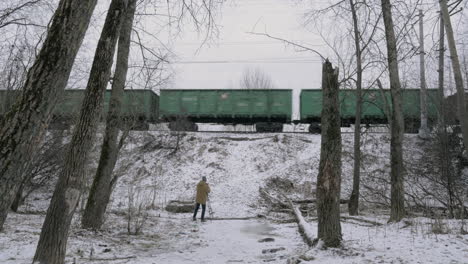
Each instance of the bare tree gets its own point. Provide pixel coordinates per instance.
(14, 13)
(362, 30)
(24, 126)
(329, 176)
(423, 130)
(149, 72)
(14, 72)
(44, 167)
(52, 244)
(461, 102)
(255, 79)
(442, 135)
(353, 204)
(397, 124)
(101, 190)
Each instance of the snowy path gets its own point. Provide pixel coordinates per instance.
(233, 242)
(171, 240)
(175, 239)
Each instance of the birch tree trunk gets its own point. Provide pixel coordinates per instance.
(353, 205)
(101, 189)
(461, 103)
(52, 244)
(397, 201)
(23, 128)
(329, 176)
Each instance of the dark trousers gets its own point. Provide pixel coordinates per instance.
(197, 206)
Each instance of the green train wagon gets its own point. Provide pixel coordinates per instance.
(227, 105)
(373, 108)
(138, 105)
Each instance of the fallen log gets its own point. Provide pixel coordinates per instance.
(233, 218)
(304, 228)
(307, 201)
(180, 206)
(273, 200)
(108, 259)
(361, 220)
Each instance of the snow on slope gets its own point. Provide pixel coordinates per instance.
(236, 166)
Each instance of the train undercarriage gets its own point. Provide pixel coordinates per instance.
(239, 125)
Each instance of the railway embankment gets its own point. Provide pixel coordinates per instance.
(168, 165)
(157, 167)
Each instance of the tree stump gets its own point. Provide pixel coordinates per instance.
(329, 177)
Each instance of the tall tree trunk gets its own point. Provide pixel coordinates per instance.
(23, 128)
(397, 201)
(461, 103)
(423, 129)
(441, 93)
(18, 200)
(52, 244)
(444, 154)
(466, 70)
(101, 189)
(353, 204)
(329, 177)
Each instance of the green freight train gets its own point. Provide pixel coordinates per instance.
(141, 107)
(267, 109)
(375, 105)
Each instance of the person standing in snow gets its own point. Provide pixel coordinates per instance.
(202, 195)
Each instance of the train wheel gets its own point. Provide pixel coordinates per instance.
(183, 126)
(265, 127)
(411, 127)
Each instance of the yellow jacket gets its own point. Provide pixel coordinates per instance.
(202, 192)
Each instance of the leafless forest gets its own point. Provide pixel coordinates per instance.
(111, 178)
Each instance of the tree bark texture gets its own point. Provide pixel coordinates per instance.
(397, 198)
(18, 200)
(423, 129)
(461, 103)
(101, 188)
(23, 128)
(441, 93)
(329, 176)
(52, 244)
(353, 205)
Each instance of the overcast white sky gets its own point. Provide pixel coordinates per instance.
(221, 63)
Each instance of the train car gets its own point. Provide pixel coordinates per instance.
(268, 109)
(373, 108)
(139, 106)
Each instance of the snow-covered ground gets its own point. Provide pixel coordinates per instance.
(411, 241)
(236, 166)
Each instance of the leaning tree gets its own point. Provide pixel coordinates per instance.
(23, 128)
(52, 244)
